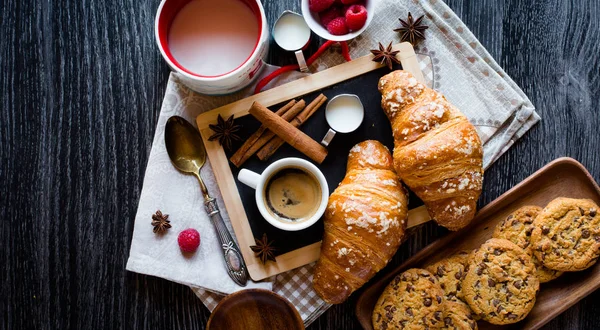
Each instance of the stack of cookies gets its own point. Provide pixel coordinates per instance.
(499, 281)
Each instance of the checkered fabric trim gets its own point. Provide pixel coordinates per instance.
(296, 286)
(208, 298)
(426, 65)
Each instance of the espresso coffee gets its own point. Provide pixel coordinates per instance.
(292, 194)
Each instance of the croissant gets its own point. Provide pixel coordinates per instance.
(365, 222)
(437, 152)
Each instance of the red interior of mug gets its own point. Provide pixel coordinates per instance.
(168, 13)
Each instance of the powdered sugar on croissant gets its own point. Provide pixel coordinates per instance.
(364, 223)
(437, 151)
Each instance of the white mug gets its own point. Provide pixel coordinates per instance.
(219, 84)
(258, 181)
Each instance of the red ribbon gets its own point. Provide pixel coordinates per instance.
(264, 81)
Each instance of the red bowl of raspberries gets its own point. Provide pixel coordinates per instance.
(338, 20)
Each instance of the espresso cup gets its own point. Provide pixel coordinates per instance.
(291, 194)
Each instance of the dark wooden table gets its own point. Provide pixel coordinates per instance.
(82, 84)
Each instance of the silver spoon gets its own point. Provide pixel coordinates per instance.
(187, 153)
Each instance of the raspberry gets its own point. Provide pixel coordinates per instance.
(337, 26)
(356, 17)
(189, 240)
(319, 5)
(329, 15)
(349, 2)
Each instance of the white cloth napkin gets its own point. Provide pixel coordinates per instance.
(454, 63)
(179, 196)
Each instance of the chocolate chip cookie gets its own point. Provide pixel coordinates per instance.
(517, 228)
(458, 316)
(501, 285)
(567, 234)
(413, 300)
(450, 273)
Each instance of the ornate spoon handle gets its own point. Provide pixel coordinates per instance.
(236, 267)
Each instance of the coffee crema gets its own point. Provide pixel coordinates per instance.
(292, 195)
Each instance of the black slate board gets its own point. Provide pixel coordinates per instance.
(375, 126)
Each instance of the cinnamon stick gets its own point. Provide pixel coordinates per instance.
(263, 135)
(270, 148)
(290, 134)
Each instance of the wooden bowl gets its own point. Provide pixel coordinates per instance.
(254, 309)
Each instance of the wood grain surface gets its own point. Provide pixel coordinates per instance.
(81, 86)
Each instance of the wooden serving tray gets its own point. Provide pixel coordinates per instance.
(246, 222)
(563, 177)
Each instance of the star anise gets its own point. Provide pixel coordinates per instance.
(412, 30)
(160, 222)
(224, 131)
(385, 55)
(264, 249)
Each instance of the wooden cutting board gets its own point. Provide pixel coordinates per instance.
(564, 177)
